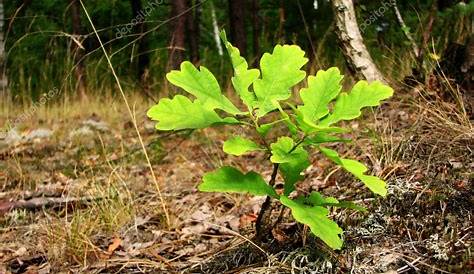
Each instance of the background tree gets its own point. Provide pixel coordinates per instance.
(193, 21)
(238, 33)
(178, 33)
(352, 44)
(32, 33)
(256, 21)
(3, 76)
(143, 48)
(77, 49)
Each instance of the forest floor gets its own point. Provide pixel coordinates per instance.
(77, 196)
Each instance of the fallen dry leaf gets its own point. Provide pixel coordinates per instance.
(116, 242)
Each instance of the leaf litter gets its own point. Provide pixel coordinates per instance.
(425, 223)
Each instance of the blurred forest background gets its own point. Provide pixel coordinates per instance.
(88, 185)
(50, 43)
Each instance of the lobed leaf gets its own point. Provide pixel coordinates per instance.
(322, 137)
(181, 113)
(264, 129)
(244, 77)
(316, 199)
(321, 90)
(229, 179)
(292, 161)
(363, 94)
(202, 84)
(309, 127)
(374, 183)
(239, 146)
(283, 150)
(316, 218)
(281, 70)
(289, 123)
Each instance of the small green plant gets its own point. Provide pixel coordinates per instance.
(311, 125)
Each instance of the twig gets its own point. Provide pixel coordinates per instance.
(267, 202)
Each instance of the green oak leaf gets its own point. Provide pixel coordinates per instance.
(202, 84)
(357, 169)
(229, 179)
(317, 199)
(363, 94)
(321, 138)
(281, 70)
(264, 129)
(321, 90)
(309, 127)
(292, 161)
(239, 146)
(181, 113)
(283, 150)
(317, 220)
(244, 77)
(291, 172)
(287, 120)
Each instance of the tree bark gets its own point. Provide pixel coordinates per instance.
(255, 9)
(357, 56)
(193, 24)
(3, 76)
(178, 34)
(215, 30)
(77, 51)
(281, 22)
(140, 29)
(237, 25)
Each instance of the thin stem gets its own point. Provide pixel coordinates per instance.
(265, 205)
(267, 202)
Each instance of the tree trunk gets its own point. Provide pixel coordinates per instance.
(255, 9)
(403, 26)
(237, 25)
(352, 44)
(178, 34)
(3, 76)
(215, 29)
(281, 22)
(140, 29)
(193, 24)
(77, 51)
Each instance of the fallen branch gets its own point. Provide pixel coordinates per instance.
(40, 202)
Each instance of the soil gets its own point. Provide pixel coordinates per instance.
(424, 225)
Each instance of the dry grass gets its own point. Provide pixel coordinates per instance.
(74, 238)
(398, 141)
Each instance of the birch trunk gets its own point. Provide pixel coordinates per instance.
(352, 44)
(215, 29)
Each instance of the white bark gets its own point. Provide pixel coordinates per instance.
(404, 27)
(352, 44)
(215, 28)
